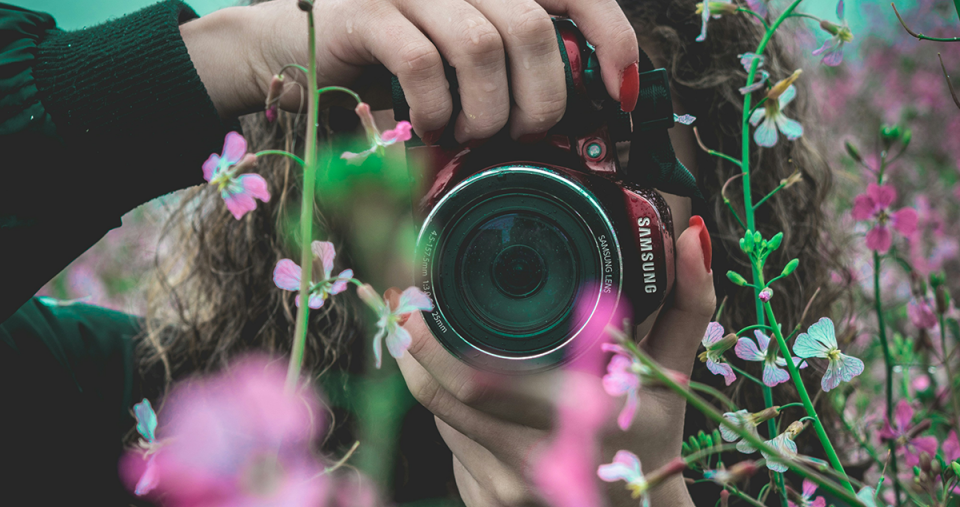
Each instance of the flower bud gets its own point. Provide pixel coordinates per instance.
(790, 267)
(935, 467)
(736, 278)
(746, 243)
(831, 28)
(782, 86)
(766, 295)
(305, 5)
(775, 242)
(765, 414)
(674, 467)
(907, 137)
(890, 134)
(943, 299)
(718, 8)
(955, 466)
(792, 180)
(853, 151)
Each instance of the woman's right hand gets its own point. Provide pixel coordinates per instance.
(489, 42)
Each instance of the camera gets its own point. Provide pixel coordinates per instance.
(518, 243)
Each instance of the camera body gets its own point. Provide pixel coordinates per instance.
(519, 243)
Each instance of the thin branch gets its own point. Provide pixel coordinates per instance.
(953, 92)
(712, 152)
(756, 15)
(920, 36)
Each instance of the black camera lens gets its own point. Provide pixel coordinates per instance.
(508, 256)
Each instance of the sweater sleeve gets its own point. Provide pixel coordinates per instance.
(93, 123)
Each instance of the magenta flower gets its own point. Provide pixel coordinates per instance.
(287, 276)
(398, 339)
(951, 447)
(377, 140)
(874, 205)
(809, 488)
(905, 435)
(773, 374)
(832, 48)
(238, 439)
(716, 344)
(921, 314)
(765, 295)
(623, 378)
(237, 191)
(820, 340)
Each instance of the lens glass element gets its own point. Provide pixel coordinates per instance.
(518, 273)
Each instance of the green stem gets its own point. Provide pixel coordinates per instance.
(712, 413)
(751, 378)
(788, 405)
(888, 363)
(805, 398)
(348, 91)
(743, 496)
(749, 209)
(756, 15)
(703, 388)
(946, 366)
(805, 15)
(306, 213)
(284, 154)
(734, 213)
(761, 201)
(755, 326)
(301, 68)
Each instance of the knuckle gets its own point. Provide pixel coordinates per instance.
(429, 393)
(531, 26)
(421, 58)
(480, 39)
(469, 392)
(548, 110)
(509, 492)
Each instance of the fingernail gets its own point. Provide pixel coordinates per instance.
(629, 88)
(431, 138)
(475, 143)
(531, 138)
(705, 245)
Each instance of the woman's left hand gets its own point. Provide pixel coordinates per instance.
(494, 428)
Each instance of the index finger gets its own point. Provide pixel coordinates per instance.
(604, 24)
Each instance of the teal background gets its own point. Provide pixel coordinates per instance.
(74, 14)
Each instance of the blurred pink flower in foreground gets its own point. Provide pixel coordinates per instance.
(377, 140)
(905, 435)
(236, 439)
(951, 447)
(237, 191)
(873, 205)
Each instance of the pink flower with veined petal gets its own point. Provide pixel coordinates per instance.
(716, 344)
(237, 439)
(873, 205)
(773, 374)
(377, 140)
(910, 446)
(239, 192)
(287, 276)
(809, 488)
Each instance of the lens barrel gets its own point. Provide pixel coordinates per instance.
(508, 256)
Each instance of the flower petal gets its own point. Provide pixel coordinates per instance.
(902, 415)
(210, 166)
(951, 447)
(762, 339)
(828, 44)
(398, 341)
(834, 56)
(315, 301)
(378, 346)
(883, 195)
(905, 221)
(287, 275)
(625, 467)
(238, 203)
(758, 6)
(773, 375)
(704, 18)
(398, 134)
(342, 280)
(787, 96)
(629, 409)
(840, 10)
(879, 239)
(809, 488)
(411, 300)
(791, 128)
(234, 147)
(721, 369)
(324, 251)
(766, 134)
(748, 351)
(863, 207)
(713, 334)
(150, 478)
(255, 185)
(758, 115)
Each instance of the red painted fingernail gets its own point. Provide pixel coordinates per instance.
(475, 143)
(431, 138)
(629, 87)
(705, 245)
(531, 138)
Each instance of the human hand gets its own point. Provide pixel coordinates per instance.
(484, 41)
(494, 426)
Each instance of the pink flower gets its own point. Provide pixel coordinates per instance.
(905, 435)
(873, 205)
(766, 294)
(623, 378)
(716, 344)
(237, 191)
(238, 439)
(921, 314)
(626, 467)
(287, 276)
(951, 447)
(398, 339)
(377, 140)
(773, 374)
(809, 488)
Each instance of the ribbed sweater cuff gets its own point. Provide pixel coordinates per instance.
(127, 90)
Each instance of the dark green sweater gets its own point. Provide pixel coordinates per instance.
(92, 124)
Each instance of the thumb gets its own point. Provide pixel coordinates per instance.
(679, 328)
